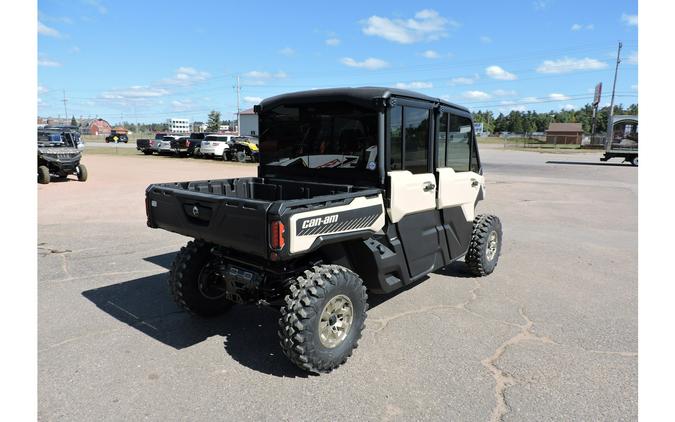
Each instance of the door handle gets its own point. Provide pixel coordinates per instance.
(428, 186)
(474, 183)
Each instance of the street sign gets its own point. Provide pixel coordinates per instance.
(598, 93)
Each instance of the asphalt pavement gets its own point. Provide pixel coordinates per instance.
(550, 335)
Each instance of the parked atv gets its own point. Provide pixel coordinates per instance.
(359, 191)
(58, 156)
(243, 148)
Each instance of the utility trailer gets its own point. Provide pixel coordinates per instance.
(623, 140)
(359, 190)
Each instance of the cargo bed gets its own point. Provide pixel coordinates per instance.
(235, 213)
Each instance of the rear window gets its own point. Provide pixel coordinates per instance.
(333, 135)
(197, 136)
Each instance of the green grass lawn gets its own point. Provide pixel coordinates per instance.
(93, 150)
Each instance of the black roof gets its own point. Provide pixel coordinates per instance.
(364, 95)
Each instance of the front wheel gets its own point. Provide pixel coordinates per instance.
(634, 161)
(485, 246)
(195, 282)
(43, 175)
(81, 171)
(323, 318)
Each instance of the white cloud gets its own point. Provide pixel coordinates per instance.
(427, 25)
(463, 80)
(476, 95)
(98, 5)
(42, 89)
(485, 39)
(134, 92)
(48, 31)
(579, 27)
(530, 100)
(431, 54)
(504, 92)
(630, 20)
(333, 41)
(74, 49)
(182, 105)
(252, 100)
(261, 76)
(370, 63)
(414, 85)
(558, 97)
(634, 87)
(569, 64)
(57, 19)
(632, 58)
(43, 61)
(540, 4)
(569, 107)
(186, 76)
(287, 51)
(496, 72)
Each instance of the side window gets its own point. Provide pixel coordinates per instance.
(458, 146)
(441, 139)
(416, 121)
(396, 137)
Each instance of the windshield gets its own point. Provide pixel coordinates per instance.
(334, 135)
(56, 139)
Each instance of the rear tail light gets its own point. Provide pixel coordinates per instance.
(277, 230)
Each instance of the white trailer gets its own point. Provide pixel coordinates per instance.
(622, 139)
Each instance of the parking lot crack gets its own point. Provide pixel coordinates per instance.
(504, 380)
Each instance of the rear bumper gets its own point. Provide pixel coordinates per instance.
(209, 149)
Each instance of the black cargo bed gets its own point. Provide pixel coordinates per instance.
(230, 212)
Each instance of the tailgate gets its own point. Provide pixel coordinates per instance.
(231, 222)
(143, 143)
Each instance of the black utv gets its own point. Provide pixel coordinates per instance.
(359, 191)
(58, 155)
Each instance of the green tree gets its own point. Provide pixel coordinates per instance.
(213, 124)
(73, 122)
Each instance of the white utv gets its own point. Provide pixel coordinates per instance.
(359, 191)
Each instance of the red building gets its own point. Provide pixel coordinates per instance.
(95, 127)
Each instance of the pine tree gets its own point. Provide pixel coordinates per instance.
(73, 122)
(213, 124)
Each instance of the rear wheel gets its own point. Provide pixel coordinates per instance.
(43, 175)
(195, 283)
(485, 246)
(634, 161)
(147, 152)
(81, 171)
(323, 318)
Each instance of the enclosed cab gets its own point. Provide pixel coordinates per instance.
(58, 154)
(358, 189)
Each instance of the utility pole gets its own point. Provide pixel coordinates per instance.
(610, 135)
(238, 110)
(65, 109)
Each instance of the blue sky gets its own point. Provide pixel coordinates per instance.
(150, 60)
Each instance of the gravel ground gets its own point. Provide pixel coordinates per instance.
(550, 335)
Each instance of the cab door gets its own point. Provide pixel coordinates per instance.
(412, 201)
(460, 184)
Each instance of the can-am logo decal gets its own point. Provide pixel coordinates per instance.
(354, 219)
(195, 211)
(313, 222)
